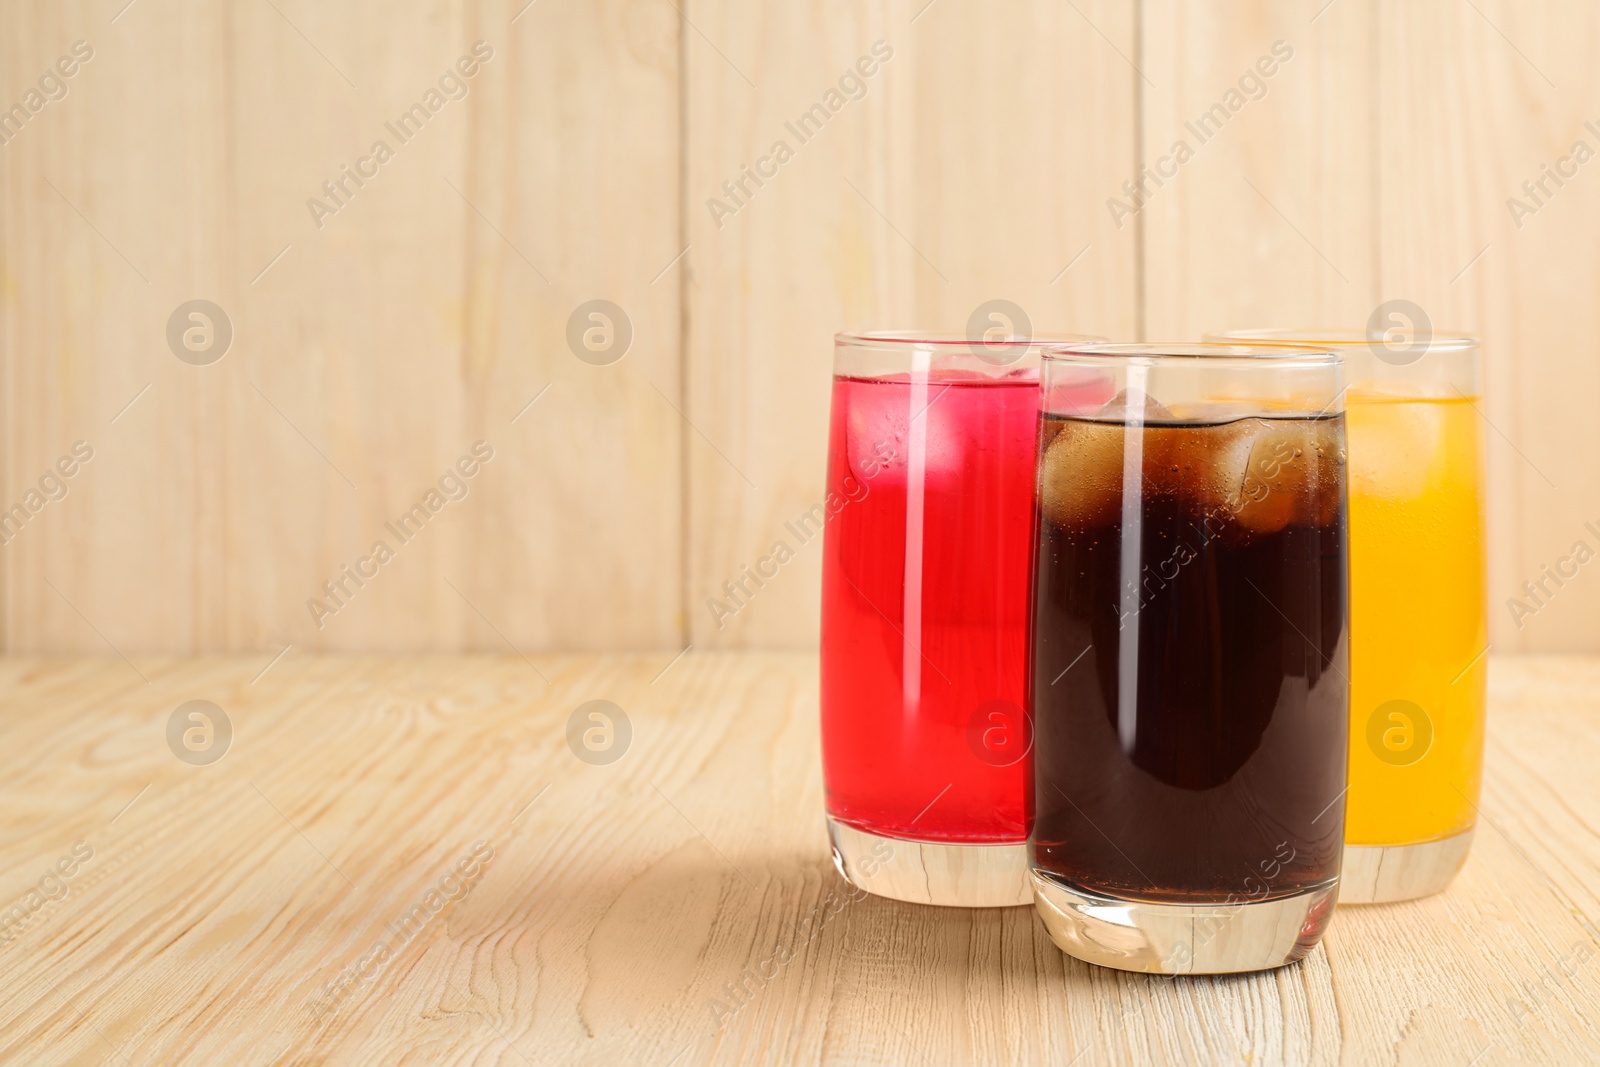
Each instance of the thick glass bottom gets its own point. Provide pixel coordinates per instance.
(1383, 874)
(932, 872)
(1136, 935)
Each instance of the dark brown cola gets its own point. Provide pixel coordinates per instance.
(1188, 657)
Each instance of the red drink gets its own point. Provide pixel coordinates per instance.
(925, 604)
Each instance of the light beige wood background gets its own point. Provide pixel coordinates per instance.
(622, 900)
(433, 308)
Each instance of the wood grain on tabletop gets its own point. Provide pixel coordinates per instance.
(222, 901)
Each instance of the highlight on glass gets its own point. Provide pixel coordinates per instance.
(1188, 675)
(1419, 613)
(925, 741)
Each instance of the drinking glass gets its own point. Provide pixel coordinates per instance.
(1187, 674)
(1419, 626)
(925, 742)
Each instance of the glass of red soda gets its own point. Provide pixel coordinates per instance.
(926, 743)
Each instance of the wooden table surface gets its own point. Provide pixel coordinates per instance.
(404, 861)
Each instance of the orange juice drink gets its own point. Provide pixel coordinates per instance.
(1418, 629)
(1418, 611)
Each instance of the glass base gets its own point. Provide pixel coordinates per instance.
(1136, 935)
(932, 872)
(1383, 874)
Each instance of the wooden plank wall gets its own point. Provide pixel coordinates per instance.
(894, 215)
(974, 162)
(367, 361)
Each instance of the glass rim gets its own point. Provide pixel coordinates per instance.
(1345, 337)
(1259, 354)
(937, 339)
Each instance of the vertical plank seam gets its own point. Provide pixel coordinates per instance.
(1375, 146)
(7, 325)
(10, 212)
(1140, 231)
(685, 469)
